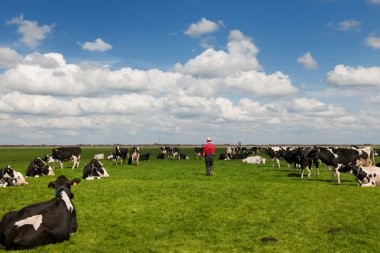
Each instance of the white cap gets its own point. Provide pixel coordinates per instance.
(208, 139)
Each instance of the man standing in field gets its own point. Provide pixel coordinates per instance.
(208, 156)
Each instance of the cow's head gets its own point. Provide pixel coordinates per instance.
(63, 184)
(8, 172)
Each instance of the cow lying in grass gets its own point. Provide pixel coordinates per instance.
(10, 177)
(365, 176)
(37, 168)
(254, 160)
(94, 170)
(42, 223)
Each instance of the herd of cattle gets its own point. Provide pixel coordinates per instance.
(54, 220)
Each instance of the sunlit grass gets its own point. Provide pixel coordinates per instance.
(171, 206)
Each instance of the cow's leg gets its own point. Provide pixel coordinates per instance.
(29, 239)
(278, 162)
(316, 163)
(74, 158)
(337, 174)
(78, 161)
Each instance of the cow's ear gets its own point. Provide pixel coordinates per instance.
(75, 181)
(51, 185)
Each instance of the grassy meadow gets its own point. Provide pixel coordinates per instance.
(171, 206)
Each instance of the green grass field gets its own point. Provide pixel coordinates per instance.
(171, 206)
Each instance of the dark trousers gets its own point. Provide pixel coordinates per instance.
(209, 160)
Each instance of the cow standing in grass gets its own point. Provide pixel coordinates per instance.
(66, 154)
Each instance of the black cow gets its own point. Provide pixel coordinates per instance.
(336, 158)
(42, 223)
(37, 168)
(66, 154)
(94, 170)
(198, 152)
(292, 155)
(239, 156)
(144, 157)
(161, 156)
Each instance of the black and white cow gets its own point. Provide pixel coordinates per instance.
(225, 156)
(167, 151)
(336, 158)
(364, 175)
(275, 153)
(37, 168)
(119, 154)
(175, 153)
(198, 152)
(134, 156)
(255, 150)
(94, 170)
(42, 223)
(66, 154)
(11, 177)
(183, 157)
(366, 153)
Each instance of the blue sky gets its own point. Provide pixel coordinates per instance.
(258, 72)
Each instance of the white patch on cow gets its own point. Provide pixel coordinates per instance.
(51, 172)
(275, 149)
(35, 221)
(105, 174)
(99, 156)
(68, 203)
(20, 180)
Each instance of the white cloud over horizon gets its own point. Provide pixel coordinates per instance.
(215, 93)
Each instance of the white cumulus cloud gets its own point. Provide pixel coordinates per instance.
(347, 25)
(204, 26)
(307, 61)
(350, 76)
(97, 45)
(241, 55)
(9, 58)
(31, 33)
(373, 41)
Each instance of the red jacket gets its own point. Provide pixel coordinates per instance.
(208, 149)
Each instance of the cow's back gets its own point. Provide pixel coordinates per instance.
(56, 224)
